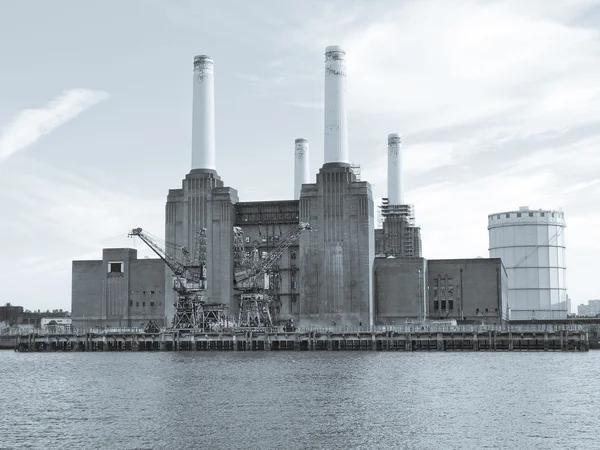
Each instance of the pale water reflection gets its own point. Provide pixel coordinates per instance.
(297, 400)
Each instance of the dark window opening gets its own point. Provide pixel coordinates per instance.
(450, 304)
(530, 214)
(518, 214)
(436, 304)
(293, 255)
(543, 214)
(151, 303)
(137, 303)
(508, 216)
(443, 304)
(144, 304)
(115, 267)
(152, 292)
(130, 302)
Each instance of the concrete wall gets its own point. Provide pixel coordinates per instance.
(336, 260)
(146, 291)
(467, 289)
(400, 292)
(103, 298)
(86, 293)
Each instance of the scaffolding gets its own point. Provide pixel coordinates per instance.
(355, 168)
(401, 238)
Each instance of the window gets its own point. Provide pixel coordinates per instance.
(130, 302)
(443, 304)
(436, 304)
(144, 304)
(498, 216)
(543, 214)
(137, 304)
(151, 303)
(247, 238)
(518, 214)
(450, 304)
(143, 292)
(530, 214)
(294, 284)
(115, 267)
(293, 255)
(152, 292)
(508, 216)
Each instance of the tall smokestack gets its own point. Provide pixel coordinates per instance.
(301, 173)
(395, 187)
(203, 114)
(336, 130)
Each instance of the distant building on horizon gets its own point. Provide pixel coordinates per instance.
(592, 309)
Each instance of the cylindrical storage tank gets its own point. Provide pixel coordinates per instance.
(531, 244)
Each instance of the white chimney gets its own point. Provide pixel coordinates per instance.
(336, 129)
(395, 185)
(301, 173)
(203, 114)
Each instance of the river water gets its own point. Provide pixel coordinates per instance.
(300, 400)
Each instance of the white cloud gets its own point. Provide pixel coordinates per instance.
(31, 124)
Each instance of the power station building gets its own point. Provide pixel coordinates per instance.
(344, 273)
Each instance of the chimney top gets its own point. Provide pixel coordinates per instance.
(335, 52)
(301, 141)
(202, 62)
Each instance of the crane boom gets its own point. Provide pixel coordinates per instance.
(189, 282)
(177, 268)
(262, 266)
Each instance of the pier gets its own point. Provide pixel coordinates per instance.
(276, 339)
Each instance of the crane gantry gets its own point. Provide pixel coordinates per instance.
(251, 279)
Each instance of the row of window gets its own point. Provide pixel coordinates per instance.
(450, 303)
(137, 304)
(144, 292)
(532, 214)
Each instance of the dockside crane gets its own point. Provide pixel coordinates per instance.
(251, 277)
(189, 281)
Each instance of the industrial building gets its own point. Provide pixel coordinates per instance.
(118, 290)
(341, 273)
(531, 244)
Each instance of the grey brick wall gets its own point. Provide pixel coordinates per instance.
(400, 290)
(336, 259)
(478, 289)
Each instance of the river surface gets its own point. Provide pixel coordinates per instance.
(299, 400)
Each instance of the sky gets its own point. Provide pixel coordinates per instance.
(498, 103)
